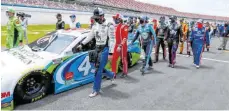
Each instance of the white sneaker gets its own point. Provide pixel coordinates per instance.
(113, 81)
(197, 66)
(93, 94)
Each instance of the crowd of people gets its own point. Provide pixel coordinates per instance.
(151, 33)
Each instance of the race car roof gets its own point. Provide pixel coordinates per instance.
(75, 32)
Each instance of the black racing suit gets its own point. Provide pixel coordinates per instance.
(173, 41)
(161, 32)
(60, 25)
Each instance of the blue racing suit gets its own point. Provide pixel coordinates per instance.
(197, 38)
(101, 33)
(146, 32)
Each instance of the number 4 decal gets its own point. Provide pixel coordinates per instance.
(85, 66)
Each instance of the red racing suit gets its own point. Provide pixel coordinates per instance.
(121, 34)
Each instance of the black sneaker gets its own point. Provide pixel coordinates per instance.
(123, 76)
(208, 50)
(219, 48)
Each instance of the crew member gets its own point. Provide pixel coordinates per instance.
(173, 40)
(149, 39)
(184, 38)
(15, 32)
(197, 37)
(60, 24)
(73, 23)
(161, 32)
(120, 49)
(101, 31)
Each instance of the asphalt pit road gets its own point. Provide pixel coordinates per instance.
(109, 92)
(130, 79)
(206, 67)
(181, 67)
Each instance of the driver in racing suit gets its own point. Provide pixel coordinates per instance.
(101, 31)
(149, 39)
(198, 35)
(184, 38)
(172, 39)
(161, 32)
(120, 49)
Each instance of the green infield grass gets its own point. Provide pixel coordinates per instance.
(34, 32)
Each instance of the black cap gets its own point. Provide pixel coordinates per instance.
(58, 14)
(97, 12)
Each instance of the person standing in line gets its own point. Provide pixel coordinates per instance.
(120, 49)
(14, 37)
(60, 24)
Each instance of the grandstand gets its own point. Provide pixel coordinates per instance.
(126, 7)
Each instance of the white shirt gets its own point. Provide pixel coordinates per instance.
(101, 32)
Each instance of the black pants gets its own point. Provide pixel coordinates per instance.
(161, 43)
(172, 47)
(146, 48)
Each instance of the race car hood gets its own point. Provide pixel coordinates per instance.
(22, 58)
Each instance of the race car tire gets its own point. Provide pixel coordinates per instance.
(32, 87)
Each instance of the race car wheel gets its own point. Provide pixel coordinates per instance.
(32, 87)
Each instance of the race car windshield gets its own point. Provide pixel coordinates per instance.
(59, 43)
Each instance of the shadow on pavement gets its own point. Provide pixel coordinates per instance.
(206, 67)
(181, 67)
(113, 94)
(130, 79)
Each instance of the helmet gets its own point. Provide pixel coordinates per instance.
(98, 12)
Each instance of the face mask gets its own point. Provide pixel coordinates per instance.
(117, 21)
(199, 25)
(73, 19)
(141, 21)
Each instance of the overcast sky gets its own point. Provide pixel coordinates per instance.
(209, 7)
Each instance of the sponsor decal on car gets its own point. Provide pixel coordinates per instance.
(4, 105)
(57, 61)
(39, 97)
(5, 94)
(24, 55)
(69, 78)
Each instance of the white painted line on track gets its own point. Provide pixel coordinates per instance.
(210, 59)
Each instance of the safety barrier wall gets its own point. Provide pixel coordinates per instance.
(47, 15)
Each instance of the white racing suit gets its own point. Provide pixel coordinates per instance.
(101, 33)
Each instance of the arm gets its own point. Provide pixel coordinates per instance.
(89, 37)
(78, 25)
(19, 28)
(191, 36)
(125, 35)
(136, 36)
(166, 33)
(63, 25)
(207, 37)
(154, 34)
